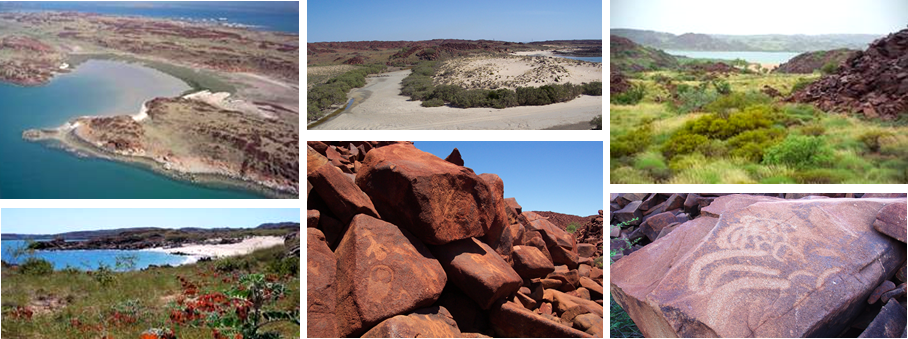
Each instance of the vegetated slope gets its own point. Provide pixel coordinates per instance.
(627, 56)
(873, 82)
(400, 53)
(767, 42)
(808, 62)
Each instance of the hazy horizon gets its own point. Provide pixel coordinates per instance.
(62, 220)
(805, 17)
(510, 20)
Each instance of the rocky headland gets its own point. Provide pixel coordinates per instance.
(384, 217)
(809, 62)
(771, 265)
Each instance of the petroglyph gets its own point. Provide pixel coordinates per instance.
(380, 279)
(748, 255)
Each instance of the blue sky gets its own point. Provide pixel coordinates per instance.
(509, 20)
(761, 17)
(561, 176)
(59, 220)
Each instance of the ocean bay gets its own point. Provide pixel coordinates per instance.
(92, 259)
(96, 87)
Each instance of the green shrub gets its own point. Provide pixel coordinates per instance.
(596, 122)
(717, 127)
(36, 266)
(751, 144)
(690, 98)
(800, 151)
(230, 264)
(502, 98)
(284, 266)
(654, 165)
(630, 97)
(334, 91)
(593, 88)
(829, 68)
(446, 93)
(572, 227)
(722, 87)
(737, 101)
(434, 102)
(631, 143)
(683, 142)
(813, 129)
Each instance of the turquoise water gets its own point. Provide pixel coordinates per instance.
(591, 59)
(33, 170)
(759, 57)
(268, 15)
(90, 259)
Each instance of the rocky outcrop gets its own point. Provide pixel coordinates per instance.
(475, 258)
(873, 82)
(754, 266)
(627, 56)
(809, 62)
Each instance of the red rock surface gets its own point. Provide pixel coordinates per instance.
(321, 286)
(562, 220)
(891, 221)
(808, 62)
(343, 197)
(530, 263)
(745, 273)
(438, 201)
(478, 270)
(378, 267)
(433, 322)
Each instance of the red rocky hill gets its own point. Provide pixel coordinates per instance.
(873, 82)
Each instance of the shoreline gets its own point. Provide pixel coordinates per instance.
(65, 138)
(193, 252)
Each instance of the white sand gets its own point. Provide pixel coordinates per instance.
(248, 245)
(142, 115)
(516, 71)
(222, 100)
(380, 106)
(535, 53)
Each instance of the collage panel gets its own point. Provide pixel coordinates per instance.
(711, 93)
(765, 265)
(126, 100)
(454, 239)
(150, 273)
(465, 65)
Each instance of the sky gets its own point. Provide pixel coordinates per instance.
(504, 20)
(59, 220)
(761, 17)
(561, 176)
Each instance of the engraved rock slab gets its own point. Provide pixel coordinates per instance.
(766, 269)
(382, 271)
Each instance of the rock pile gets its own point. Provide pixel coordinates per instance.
(618, 82)
(786, 265)
(873, 82)
(403, 243)
(808, 62)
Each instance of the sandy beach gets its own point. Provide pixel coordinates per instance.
(379, 105)
(197, 251)
(516, 71)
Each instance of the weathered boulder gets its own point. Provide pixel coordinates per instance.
(889, 323)
(559, 243)
(437, 201)
(378, 266)
(466, 312)
(321, 287)
(341, 195)
(477, 270)
(891, 221)
(432, 322)
(586, 250)
(630, 214)
(758, 266)
(654, 224)
(498, 236)
(529, 262)
(512, 320)
(886, 286)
